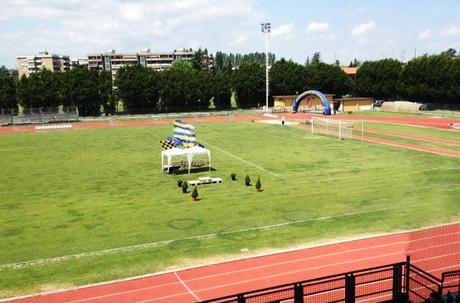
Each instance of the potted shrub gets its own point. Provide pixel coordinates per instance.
(258, 184)
(184, 187)
(247, 180)
(233, 176)
(179, 183)
(195, 194)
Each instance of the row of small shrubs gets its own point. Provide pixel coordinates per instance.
(247, 181)
(184, 185)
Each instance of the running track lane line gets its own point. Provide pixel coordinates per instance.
(414, 137)
(334, 265)
(324, 255)
(421, 148)
(242, 160)
(186, 287)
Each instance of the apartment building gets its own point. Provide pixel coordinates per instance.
(79, 61)
(112, 61)
(31, 64)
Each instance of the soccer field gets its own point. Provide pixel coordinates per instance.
(86, 206)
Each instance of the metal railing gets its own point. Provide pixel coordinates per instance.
(377, 284)
(450, 285)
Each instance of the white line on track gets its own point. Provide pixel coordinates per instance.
(344, 251)
(166, 242)
(186, 287)
(296, 271)
(241, 159)
(301, 270)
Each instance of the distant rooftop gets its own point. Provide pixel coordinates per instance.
(351, 71)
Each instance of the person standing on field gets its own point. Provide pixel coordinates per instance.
(282, 120)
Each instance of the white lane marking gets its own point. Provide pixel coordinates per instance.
(12, 148)
(186, 287)
(241, 159)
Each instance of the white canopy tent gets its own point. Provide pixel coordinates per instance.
(187, 153)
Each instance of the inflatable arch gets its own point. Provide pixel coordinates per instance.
(327, 107)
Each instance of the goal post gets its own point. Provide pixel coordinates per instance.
(330, 127)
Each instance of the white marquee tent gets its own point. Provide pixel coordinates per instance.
(187, 153)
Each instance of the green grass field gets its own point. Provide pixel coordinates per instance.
(87, 191)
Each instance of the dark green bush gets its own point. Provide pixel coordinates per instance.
(247, 180)
(184, 187)
(195, 193)
(258, 184)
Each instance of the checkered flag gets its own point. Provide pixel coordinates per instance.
(167, 144)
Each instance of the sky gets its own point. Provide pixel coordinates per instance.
(339, 29)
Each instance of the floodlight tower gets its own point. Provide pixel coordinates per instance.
(266, 29)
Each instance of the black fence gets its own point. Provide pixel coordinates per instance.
(450, 286)
(397, 282)
(422, 284)
(382, 283)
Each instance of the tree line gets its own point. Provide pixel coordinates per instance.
(90, 91)
(193, 86)
(434, 79)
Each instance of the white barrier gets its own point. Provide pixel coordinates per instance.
(53, 126)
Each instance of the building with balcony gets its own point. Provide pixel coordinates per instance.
(31, 64)
(112, 61)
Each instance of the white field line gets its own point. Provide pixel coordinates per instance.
(12, 148)
(166, 242)
(242, 160)
(186, 287)
(250, 268)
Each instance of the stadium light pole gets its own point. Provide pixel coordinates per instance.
(266, 29)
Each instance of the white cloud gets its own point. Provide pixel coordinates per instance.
(87, 26)
(317, 27)
(284, 29)
(362, 29)
(132, 12)
(425, 35)
(239, 40)
(452, 31)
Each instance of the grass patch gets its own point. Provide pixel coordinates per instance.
(81, 191)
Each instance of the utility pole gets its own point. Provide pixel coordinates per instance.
(266, 29)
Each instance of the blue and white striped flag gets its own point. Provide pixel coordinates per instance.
(185, 132)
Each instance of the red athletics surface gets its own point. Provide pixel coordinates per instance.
(417, 121)
(435, 250)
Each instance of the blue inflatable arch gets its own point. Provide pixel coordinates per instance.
(327, 107)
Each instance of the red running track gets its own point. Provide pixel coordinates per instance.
(434, 249)
(416, 121)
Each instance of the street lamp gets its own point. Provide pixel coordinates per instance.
(266, 29)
